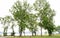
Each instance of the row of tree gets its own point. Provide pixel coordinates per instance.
(21, 12)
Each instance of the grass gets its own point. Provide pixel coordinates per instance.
(54, 36)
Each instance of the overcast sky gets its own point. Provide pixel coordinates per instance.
(55, 4)
(5, 5)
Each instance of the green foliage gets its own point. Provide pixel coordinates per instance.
(48, 18)
(23, 17)
(57, 29)
(4, 21)
(32, 23)
(20, 14)
(46, 15)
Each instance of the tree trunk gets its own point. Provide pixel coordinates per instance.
(41, 31)
(21, 32)
(49, 32)
(13, 33)
(35, 33)
(5, 32)
(24, 33)
(32, 33)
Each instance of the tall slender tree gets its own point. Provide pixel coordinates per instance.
(12, 26)
(20, 14)
(48, 18)
(46, 15)
(6, 22)
(38, 6)
(32, 23)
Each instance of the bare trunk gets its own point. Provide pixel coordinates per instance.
(24, 33)
(20, 31)
(12, 34)
(32, 33)
(5, 32)
(35, 33)
(50, 32)
(41, 31)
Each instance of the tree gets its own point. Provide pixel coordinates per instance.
(38, 6)
(46, 15)
(5, 21)
(12, 26)
(57, 29)
(48, 19)
(32, 24)
(20, 14)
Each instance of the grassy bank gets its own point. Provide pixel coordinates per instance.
(55, 36)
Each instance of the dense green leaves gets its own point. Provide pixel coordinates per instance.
(20, 14)
(6, 22)
(24, 19)
(57, 29)
(46, 15)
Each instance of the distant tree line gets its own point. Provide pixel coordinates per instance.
(22, 15)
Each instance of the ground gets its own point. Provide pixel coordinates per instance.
(54, 36)
(3, 37)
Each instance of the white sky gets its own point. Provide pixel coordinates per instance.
(5, 5)
(55, 4)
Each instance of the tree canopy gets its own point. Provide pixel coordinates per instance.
(24, 19)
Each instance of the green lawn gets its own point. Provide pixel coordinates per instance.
(56, 36)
